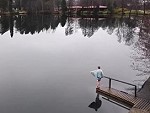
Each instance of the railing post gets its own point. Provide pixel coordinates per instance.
(135, 91)
(109, 83)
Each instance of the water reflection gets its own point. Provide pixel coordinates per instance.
(96, 104)
(130, 30)
(42, 90)
(124, 28)
(141, 53)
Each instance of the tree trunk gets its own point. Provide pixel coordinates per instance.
(144, 7)
(122, 6)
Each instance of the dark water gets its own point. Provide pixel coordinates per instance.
(45, 61)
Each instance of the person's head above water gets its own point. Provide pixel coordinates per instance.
(99, 67)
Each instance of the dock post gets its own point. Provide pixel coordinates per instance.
(109, 83)
(135, 90)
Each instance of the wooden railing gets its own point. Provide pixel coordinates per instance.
(110, 79)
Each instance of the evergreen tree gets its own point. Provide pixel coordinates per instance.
(63, 6)
(57, 4)
(3, 5)
(110, 6)
(10, 5)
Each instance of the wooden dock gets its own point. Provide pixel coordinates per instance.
(137, 104)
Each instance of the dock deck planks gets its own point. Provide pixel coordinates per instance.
(136, 102)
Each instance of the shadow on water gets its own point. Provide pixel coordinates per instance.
(96, 104)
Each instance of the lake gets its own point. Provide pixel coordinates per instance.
(45, 61)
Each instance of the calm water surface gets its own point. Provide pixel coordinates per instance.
(48, 72)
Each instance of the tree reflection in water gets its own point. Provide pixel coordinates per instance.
(141, 55)
(133, 31)
(123, 27)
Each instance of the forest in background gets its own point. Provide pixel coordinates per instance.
(50, 6)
